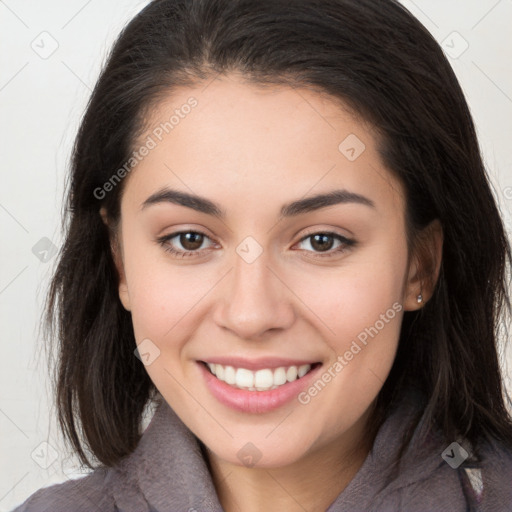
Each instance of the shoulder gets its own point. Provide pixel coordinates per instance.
(492, 477)
(437, 474)
(481, 483)
(82, 494)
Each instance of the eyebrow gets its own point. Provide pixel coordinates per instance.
(299, 207)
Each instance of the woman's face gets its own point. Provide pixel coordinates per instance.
(295, 260)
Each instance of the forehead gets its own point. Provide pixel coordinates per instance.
(248, 145)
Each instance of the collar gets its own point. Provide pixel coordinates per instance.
(167, 471)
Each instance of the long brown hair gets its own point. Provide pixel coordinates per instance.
(379, 60)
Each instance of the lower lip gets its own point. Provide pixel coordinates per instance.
(255, 401)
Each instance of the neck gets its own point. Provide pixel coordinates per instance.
(311, 483)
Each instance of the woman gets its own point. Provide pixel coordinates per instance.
(283, 207)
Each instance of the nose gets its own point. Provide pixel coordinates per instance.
(254, 300)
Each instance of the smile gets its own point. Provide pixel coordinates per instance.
(260, 380)
(269, 385)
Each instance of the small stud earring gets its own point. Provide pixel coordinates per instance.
(419, 299)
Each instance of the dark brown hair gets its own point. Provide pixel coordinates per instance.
(380, 61)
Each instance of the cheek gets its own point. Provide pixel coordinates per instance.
(351, 298)
(160, 300)
(160, 294)
(359, 311)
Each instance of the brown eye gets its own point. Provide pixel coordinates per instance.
(191, 241)
(326, 244)
(185, 243)
(322, 242)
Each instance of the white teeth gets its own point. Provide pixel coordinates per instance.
(229, 375)
(244, 378)
(291, 373)
(280, 376)
(303, 370)
(261, 380)
(219, 371)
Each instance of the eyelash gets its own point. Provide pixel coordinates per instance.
(346, 243)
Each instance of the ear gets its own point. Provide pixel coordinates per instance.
(424, 266)
(116, 251)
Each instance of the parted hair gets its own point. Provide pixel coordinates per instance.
(377, 59)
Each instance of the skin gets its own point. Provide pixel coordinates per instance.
(252, 150)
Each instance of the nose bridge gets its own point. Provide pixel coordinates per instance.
(254, 299)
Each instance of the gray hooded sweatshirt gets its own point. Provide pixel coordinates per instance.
(167, 472)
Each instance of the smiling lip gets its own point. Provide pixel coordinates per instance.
(256, 364)
(255, 402)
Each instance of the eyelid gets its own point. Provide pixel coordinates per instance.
(165, 239)
(328, 230)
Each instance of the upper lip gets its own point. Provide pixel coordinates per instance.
(257, 363)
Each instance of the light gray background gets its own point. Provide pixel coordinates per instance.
(42, 98)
